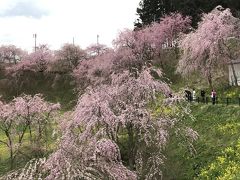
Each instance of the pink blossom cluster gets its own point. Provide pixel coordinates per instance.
(11, 54)
(89, 146)
(119, 89)
(46, 60)
(28, 112)
(37, 61)
(95, 70)
(67, 58)
(26, 109)
(30, 171)
(6, 112)
(26, 104)
(148, 42)
(96, 50)
(204, 49)
(132, 49)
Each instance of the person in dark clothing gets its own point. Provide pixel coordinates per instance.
(203, 95)
(188, 95)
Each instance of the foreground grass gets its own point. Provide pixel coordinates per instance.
(27, 152)
(5, 155)
(217, 149)
(4, 164)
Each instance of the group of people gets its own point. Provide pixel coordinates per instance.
(191, 95)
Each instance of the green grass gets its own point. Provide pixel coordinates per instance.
(55, 88)
(219, 129)
(28, 152)
(5, 155)
(4, 164)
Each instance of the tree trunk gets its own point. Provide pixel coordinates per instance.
(130, 146)
(10, 146)
(209, 78)
(11, 156)
(234, 74)
(30, 133)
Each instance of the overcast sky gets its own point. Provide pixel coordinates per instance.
(57, 21)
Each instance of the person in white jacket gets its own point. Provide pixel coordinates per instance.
(194, 95)
(213, 96)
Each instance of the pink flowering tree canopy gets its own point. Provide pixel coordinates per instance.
(22, 114)
(95, 70)
(145, 44)
(112, 133)
(115, 104)
(36, 61)
(132, 50)
(92, 135)
(96, 49)
(67, 58)
(204, 49)
(11, 54)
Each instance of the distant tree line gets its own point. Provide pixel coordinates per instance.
(152, 10)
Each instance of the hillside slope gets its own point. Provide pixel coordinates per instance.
(217, 152)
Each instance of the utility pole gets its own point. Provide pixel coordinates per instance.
(35, 42)
(73, 41)
(98, 49)
(97, 39)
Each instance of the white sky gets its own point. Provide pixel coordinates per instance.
(57, 21)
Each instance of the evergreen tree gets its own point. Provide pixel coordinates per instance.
(152, 10)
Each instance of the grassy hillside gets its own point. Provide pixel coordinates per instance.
(55, 87)
(217, 150)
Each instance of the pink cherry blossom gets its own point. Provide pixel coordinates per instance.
(204, 49)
